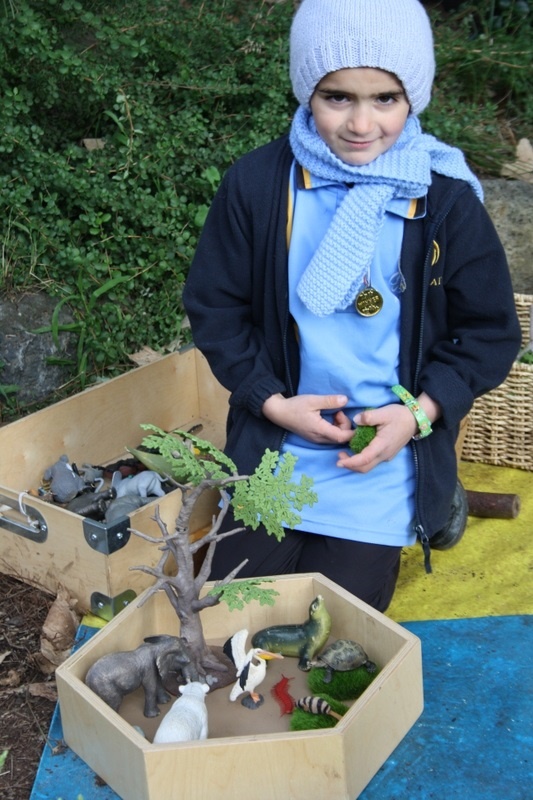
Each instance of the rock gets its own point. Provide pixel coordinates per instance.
(509, 204)
(24, 353)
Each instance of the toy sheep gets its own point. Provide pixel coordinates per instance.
(187, 718)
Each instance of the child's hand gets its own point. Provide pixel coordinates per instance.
(395, 428)
(301, 415)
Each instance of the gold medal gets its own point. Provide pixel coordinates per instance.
(368, 302)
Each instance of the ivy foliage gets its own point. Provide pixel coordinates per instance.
(117, 121)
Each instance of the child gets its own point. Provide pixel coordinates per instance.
(349, 274)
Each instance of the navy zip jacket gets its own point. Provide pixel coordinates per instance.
(459, 328)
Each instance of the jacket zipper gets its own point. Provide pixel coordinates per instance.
(419, 528)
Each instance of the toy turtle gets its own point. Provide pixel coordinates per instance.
(342, 656)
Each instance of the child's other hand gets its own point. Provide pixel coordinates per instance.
(301, 415)
(395, 428)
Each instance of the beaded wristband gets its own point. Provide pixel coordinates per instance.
(424, 425)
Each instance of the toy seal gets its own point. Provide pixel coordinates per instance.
(302, 640)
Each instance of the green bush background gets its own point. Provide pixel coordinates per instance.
(176, 91)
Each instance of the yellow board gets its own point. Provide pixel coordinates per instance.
(488, 573)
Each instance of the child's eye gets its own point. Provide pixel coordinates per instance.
(386, 99)
(336, 98)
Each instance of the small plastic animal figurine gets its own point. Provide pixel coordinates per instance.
(144, 484)
(93, 476)
(343, 655)
(280, 692)
(251, 668)
(301, 640)
(92, 504)
(115, 675)
(316, 705)
(187, 718)
(65, 484)
(124, 506)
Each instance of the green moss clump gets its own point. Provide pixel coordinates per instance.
(343, 686)
(362, 437)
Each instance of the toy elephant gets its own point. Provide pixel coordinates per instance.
(124, 506)
(117, 674)
(187, 719)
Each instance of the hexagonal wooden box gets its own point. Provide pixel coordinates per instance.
(248, 753)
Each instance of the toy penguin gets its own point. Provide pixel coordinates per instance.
(251, 668)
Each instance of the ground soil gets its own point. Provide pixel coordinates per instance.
(27, 696)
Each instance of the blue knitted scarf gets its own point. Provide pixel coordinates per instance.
(341, 263)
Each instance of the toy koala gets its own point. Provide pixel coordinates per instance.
(65, 483)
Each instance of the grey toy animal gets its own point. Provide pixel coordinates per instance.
(117, 674)
(124, 506)
(92, 504)
(65, 484)
(145, 484)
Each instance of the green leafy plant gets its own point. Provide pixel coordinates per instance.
(525, 358)
(8, 392)
(482, 98)
(118, 121)
(237, 594)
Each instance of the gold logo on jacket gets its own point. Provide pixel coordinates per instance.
(435, 257)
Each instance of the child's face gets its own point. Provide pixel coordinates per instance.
(359, 112)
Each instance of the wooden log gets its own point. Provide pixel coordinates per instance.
(493, 504)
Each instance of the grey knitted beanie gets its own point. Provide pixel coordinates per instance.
(393, 35)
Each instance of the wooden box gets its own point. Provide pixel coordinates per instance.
(248, 753)
(48, 545)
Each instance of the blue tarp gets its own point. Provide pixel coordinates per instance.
(474, 740)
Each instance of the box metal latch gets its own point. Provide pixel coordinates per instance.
(33, 527)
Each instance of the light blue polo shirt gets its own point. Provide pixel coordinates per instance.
(346, 353)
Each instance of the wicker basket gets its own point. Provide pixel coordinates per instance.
(500, 425)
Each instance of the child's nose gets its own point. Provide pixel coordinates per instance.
(360, 120)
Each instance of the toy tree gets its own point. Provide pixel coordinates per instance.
(267, 497)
